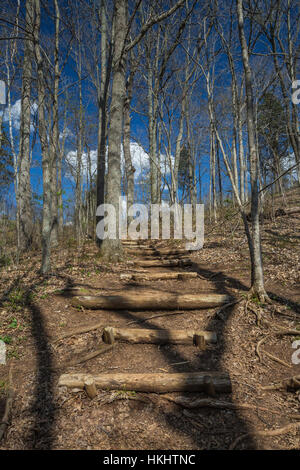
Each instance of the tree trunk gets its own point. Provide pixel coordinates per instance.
(46, 161)
(54, 139)
(257, 279)
(129, 168)
(24, 187)
(111, 249)
(102, 122)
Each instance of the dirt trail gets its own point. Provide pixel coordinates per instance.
(46, 416)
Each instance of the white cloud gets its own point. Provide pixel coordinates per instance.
(66, 133)
(140, 161)
(288, 162)
(71, 158)
(15, 111)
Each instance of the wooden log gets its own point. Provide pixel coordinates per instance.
(293, 210)
(90, 387)
(156, 276)
(150, 300)
(164, 257)
(218, 382)
(164, 263)
(158, 252)
(155, 257)
(137, 335)
(130, 246)
(199, 340)
(108, 335)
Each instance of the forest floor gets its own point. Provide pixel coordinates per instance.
(36, 311)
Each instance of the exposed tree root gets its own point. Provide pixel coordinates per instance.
(220, 310)
(271, 433)
(288, 332)
(210, 403)
(292, 383)
(256, 312)
(260, 293)
(257, 350)
(276, 359)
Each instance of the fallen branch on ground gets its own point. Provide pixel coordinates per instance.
(143, 320)
(78, 331)
(87, 356)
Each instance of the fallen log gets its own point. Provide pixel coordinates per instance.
(150, 300)
(156, 276)
(135, 335)
(164, 263)
(158, 251)
(152, 383)
(165, 257)
(292, 210)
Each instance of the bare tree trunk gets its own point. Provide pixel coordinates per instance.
(46, 160)
(219, 174)
(79, 152)
(152, 116)
(212, 147)
(59, 177)
(110, 248)
(129, 168)
(24, 187)
(257, 279)
(11, 49)
(243, 167)
(102, 103)
(54, 139)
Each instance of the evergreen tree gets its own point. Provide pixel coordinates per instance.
(272, 135)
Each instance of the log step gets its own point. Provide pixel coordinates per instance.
(136, 335)
(157, 252)
(156, 276)
(209, 382)
(164, 263)
(163, 257)
(150, 300)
